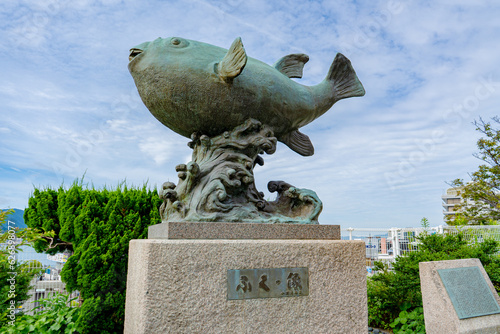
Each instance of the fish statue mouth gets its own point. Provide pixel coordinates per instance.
(134, 52)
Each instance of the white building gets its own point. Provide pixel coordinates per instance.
(450, 201)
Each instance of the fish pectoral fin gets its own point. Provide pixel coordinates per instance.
(345, 81)
(292, 65)
(233, 62)
(298, 142)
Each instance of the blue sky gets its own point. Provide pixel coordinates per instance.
(430, 68)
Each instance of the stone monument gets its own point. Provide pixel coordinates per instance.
(458, 297)
(224, 259)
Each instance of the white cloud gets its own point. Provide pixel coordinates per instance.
(159, 151)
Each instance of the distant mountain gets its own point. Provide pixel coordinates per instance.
(15, 217)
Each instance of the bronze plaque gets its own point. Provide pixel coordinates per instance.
(267, 283)
(469, 292)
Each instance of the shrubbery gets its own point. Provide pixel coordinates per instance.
(97, 225)
(394, 297)
(53, 315)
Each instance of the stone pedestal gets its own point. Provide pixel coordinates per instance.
(181, 286)
(439, 311)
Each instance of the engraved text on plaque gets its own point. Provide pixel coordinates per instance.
(469, 292)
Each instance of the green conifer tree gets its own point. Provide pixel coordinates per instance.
(97, 225)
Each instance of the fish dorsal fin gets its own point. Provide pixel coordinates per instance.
(298, 142)
(233, 62)
(292, 65)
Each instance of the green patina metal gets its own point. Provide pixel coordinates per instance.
(218, 184)
(469, 292)
(234, 108)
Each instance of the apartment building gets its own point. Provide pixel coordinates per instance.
(450, 200)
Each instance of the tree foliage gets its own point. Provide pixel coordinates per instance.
(15, 276)
(484, 187)
(53, 315)
(394, 294)
(42, 215)
(97, 225)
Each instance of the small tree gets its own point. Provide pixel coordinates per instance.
(43, 216)
(98, 226)
(484, 187)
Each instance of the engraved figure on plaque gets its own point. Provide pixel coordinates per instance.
(262, 283)
(293, 284)
(267, 283)
(244, 285)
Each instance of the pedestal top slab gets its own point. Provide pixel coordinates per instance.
(203, 230)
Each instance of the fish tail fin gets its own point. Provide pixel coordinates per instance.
(344, 79)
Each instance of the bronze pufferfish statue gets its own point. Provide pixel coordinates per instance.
(194, 87)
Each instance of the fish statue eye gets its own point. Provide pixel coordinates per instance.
(178, 42)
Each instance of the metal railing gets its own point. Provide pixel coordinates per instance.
(386, 244)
